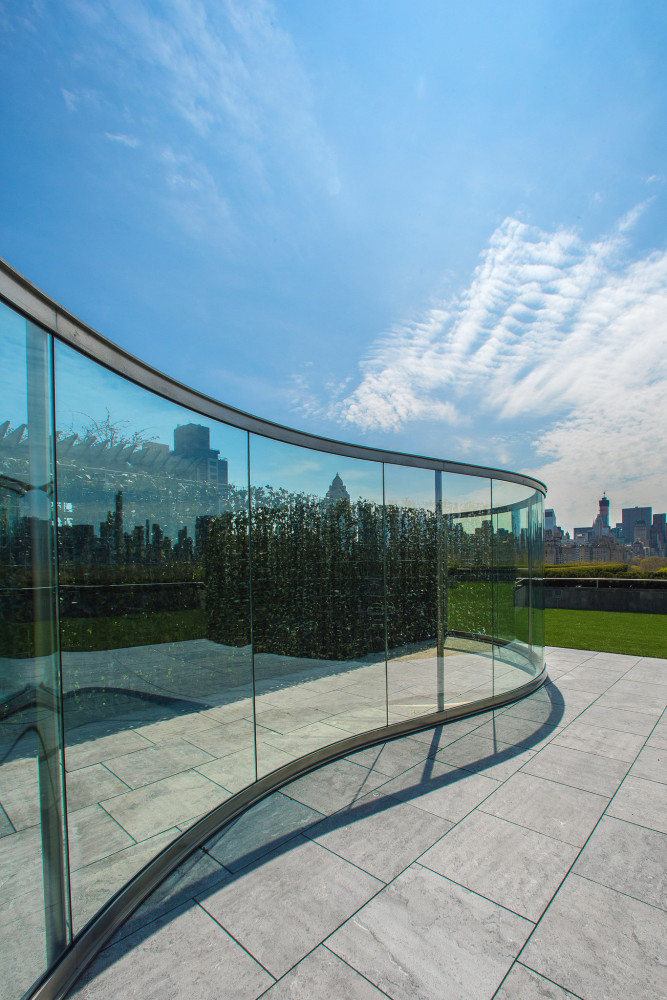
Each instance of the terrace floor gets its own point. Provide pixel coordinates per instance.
(516, 855)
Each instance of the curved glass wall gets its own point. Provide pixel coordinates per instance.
(188, 606)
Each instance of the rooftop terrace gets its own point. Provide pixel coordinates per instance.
(515, 855)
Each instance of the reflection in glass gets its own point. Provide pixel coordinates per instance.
(379, 594)
(415, 579)
(536, 527)
(34, 903)
(155, 621)
(467, 516)
(318, 599)
(512, 505)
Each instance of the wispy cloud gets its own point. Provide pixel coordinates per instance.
(124, 140)
(226, 76)
(567, 337)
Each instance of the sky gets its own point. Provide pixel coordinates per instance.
(431, 227)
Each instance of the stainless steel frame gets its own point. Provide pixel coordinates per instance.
(22, 296)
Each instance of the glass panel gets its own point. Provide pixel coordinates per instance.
(469, 614)
(155, 621)
(414, 663)
(33, 883)
(536, 524)
(318, 600)
(512, 590)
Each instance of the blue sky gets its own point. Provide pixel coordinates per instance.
(429, 226)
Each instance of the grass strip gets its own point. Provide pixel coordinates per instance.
(607, 631)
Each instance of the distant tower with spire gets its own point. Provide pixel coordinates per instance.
(601, 523)
(337, 490)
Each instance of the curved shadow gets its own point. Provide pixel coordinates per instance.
(242, 847)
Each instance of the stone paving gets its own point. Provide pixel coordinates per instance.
(516, 855)
(143, 761)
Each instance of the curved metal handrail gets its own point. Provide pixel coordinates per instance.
(25, 298)
(30, 301)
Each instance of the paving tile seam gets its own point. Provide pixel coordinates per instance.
(574, 862)
(213, 782)
(169, 907)
(116, 776)
(350, 966)
(476, 892)
(621, 892)
(542, 976)
(226, 931)
(523, 826)
(304, 833)
(134, 839)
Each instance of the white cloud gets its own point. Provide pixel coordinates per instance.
(227, 70)
(567, 337)
(124, 140)
(70, 99)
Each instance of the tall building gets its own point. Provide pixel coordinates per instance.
(337, 489)
(193, 442)
(601, 522)
(659, 534)
(630, 517)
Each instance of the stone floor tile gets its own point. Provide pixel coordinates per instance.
(553, 708)
(93, 834)
(524, 732)
(85, 787)
(647, 699)
(145, 766)
(380, 834)
(182, 954)
(442, 736)
(303, 741)
(6, 827)
(146, 811)
(641, 801)
(200, 873)
(23, 945)
(598, 740)
(96, 749)
(260, 830)
(595, 680)
(322, 974)
(21, 864)
(423, 931)
(280, 720)
(481, 755)
(549, 807)
(237, 769)
(392, 758)
(182, 725)
(509, 864)
(524, 984)
(445, 791)
(600, 944)
(334, 786)
(217, 741)
(581, 770)
(304, 891)
(93, 885)
(629, 858)
(617, 718)
(21, 770)
(649, 671)
(651, 763)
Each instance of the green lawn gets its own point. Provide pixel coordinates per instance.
(607, 631)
